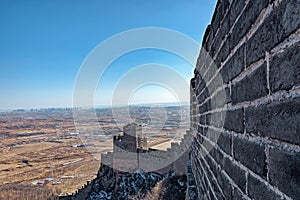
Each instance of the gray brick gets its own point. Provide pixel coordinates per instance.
(213, 135)
(236, 8)
(199, 136)
(217, 156)
(213, 182)
(211, 164)
(248, 17)
(194, 113)
(217, 119)
(201, 67)
(199, 130)
(223, 54)
(250, 154)
(211, 196)
(251, 87)
(234, 120)
(207, 146)
(220, 99)
(225, 184)
(204, 95)
(216, 19)
(237, 195)
(193, 82)
(210, 73)
(204, 107)
(225, 4)
(208, 119)
(209, 42)
(219, 14)
(225, 49)
(283, 21)
(279, 120)
(285, 69)
(205, 131)
(284, 171)
(259, 190)
(237, 174)
(202, 119)
(234, 66)
(209, 38)
(224, 142)
(216, 82)
(206, 36)
(201, 85)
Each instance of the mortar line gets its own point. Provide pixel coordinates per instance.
(267, 152)
(213, 175)
(259, 21)
(272, 142)
(205, 175)
(222, 170)
(275, 189)
(288, 42)
(247, 174)
(278, 96)
(267, 58)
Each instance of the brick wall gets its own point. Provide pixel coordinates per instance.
(245, 102)
(152, 160)
(80, 194)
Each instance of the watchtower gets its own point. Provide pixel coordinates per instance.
(127, 146)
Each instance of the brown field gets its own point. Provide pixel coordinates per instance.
(41, 144)
(47, 161)
(34, 147)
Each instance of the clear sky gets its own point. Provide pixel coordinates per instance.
(44, 42)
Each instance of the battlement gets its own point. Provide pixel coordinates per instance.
(245, 102)
(130, 153)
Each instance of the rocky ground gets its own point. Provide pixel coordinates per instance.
(138, 185)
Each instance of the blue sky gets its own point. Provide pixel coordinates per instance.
(43, 44)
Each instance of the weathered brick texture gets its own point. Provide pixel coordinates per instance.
(245, 102)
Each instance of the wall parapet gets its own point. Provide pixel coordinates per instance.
(248, 145)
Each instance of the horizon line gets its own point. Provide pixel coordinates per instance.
(88, 107)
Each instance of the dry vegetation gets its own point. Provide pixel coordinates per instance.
(26, 192)
(36, 145)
